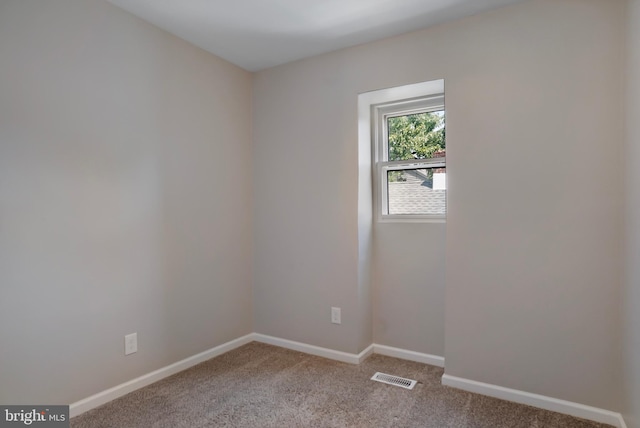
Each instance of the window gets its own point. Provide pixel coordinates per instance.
(410, 159)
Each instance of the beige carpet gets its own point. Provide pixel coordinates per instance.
(259, 385)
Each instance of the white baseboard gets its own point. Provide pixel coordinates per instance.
(540, 401)
(404, 354)
(365, 354)
(110, 394)
(345, 357)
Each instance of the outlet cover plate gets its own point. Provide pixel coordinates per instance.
(131, 343)
(336, 316)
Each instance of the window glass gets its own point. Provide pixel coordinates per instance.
(417, 191)
(416, 136)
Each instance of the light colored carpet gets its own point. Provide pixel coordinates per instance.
(259, 385)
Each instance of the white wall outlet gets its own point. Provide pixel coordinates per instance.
(335, 316)
(131, 343)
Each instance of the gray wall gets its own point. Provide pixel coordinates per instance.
(534, 229)
(121, 209)
(305, 201)
(631, 296)
(533, 259)
(409, 286)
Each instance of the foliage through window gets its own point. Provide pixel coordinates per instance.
(416, 136)
(411, 159)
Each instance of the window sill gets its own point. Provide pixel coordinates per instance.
(411, 219)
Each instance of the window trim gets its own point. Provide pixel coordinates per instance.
(380, 153)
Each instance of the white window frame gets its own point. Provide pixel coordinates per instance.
(380, 113)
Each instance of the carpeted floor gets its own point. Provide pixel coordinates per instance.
(259, 385)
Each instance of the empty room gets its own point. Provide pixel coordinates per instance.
(355, 213)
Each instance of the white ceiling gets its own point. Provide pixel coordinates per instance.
(258, 34)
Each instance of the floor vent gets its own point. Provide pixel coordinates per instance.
(394, 380)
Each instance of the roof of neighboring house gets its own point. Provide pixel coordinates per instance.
(415, 196)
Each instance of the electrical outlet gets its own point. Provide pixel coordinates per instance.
(335, 316)
(131, 343)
